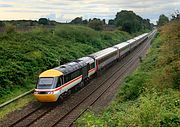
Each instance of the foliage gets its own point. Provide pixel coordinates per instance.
(24, 55)
(2, 24)
(10, 28)
(43, 21)
(96, 24)
(131, 22)
(176, 15)
(17, 105)
(77, 20)
(111, 22)
(162, 20)
(150, 97)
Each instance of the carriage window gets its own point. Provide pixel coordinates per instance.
(107, 57)
(67, 78)
(92, 65)
(75, 74)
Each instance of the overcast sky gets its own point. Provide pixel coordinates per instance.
(66, 10)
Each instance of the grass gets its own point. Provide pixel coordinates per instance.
(150, 96)
(15, 106)
(14, 93)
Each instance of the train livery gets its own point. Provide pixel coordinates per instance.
(59, 81)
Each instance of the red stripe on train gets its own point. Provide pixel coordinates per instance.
(51, 90)
(68, 83)
(92, 70)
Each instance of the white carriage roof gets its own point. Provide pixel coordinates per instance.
(121, 45)
(131, 41)
(87, 59)
(103, 52)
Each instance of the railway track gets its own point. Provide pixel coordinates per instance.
(64, 114)
(77, 111)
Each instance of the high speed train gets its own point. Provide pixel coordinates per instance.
(59, 81)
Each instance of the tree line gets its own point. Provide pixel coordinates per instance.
(125, 20)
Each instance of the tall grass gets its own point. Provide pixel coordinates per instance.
(150, 97)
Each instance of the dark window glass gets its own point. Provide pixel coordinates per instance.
(92, 66)
(60, 81)
(45, 83)
(67, 78)
(72, 75)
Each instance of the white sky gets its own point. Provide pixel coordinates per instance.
(66, 10)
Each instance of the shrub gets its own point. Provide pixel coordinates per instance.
(10, 29)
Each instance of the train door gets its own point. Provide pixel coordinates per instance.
(85, 71)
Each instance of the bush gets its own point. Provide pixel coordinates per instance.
(96, 24)
(10, 29)
(2, 24)
(43, 21)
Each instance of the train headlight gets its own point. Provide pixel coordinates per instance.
(51, 92)
(35, 92)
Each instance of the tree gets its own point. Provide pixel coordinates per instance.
(129, 21)
(162, 20)
(96, 24)
(111, 22)
(43, 21)
(77, 20)
(85, 21)
(176, 15)
(104, 21)
(2, 24)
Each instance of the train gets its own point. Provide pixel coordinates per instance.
(57, 82)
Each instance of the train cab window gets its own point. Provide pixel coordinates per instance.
(45, 83)
(60, 81)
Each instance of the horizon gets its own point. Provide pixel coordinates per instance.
(61, 11)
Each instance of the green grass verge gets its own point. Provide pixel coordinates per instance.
(15, 106)
(15, 92)
(150, 97)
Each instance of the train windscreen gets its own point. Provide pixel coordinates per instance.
(45, 83)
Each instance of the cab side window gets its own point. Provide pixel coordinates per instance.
(60, 81)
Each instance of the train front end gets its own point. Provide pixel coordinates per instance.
(45, 90)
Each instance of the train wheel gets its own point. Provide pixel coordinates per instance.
(68, 93)
(75, 88)
(81, 84)
(60, 99)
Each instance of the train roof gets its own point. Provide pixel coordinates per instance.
(70, 67)
(87, 59)
(145, 34)
(121, 45)
(131, 41)
(103, 52)
(138, 37)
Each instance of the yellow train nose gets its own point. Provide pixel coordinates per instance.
(46, 97)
